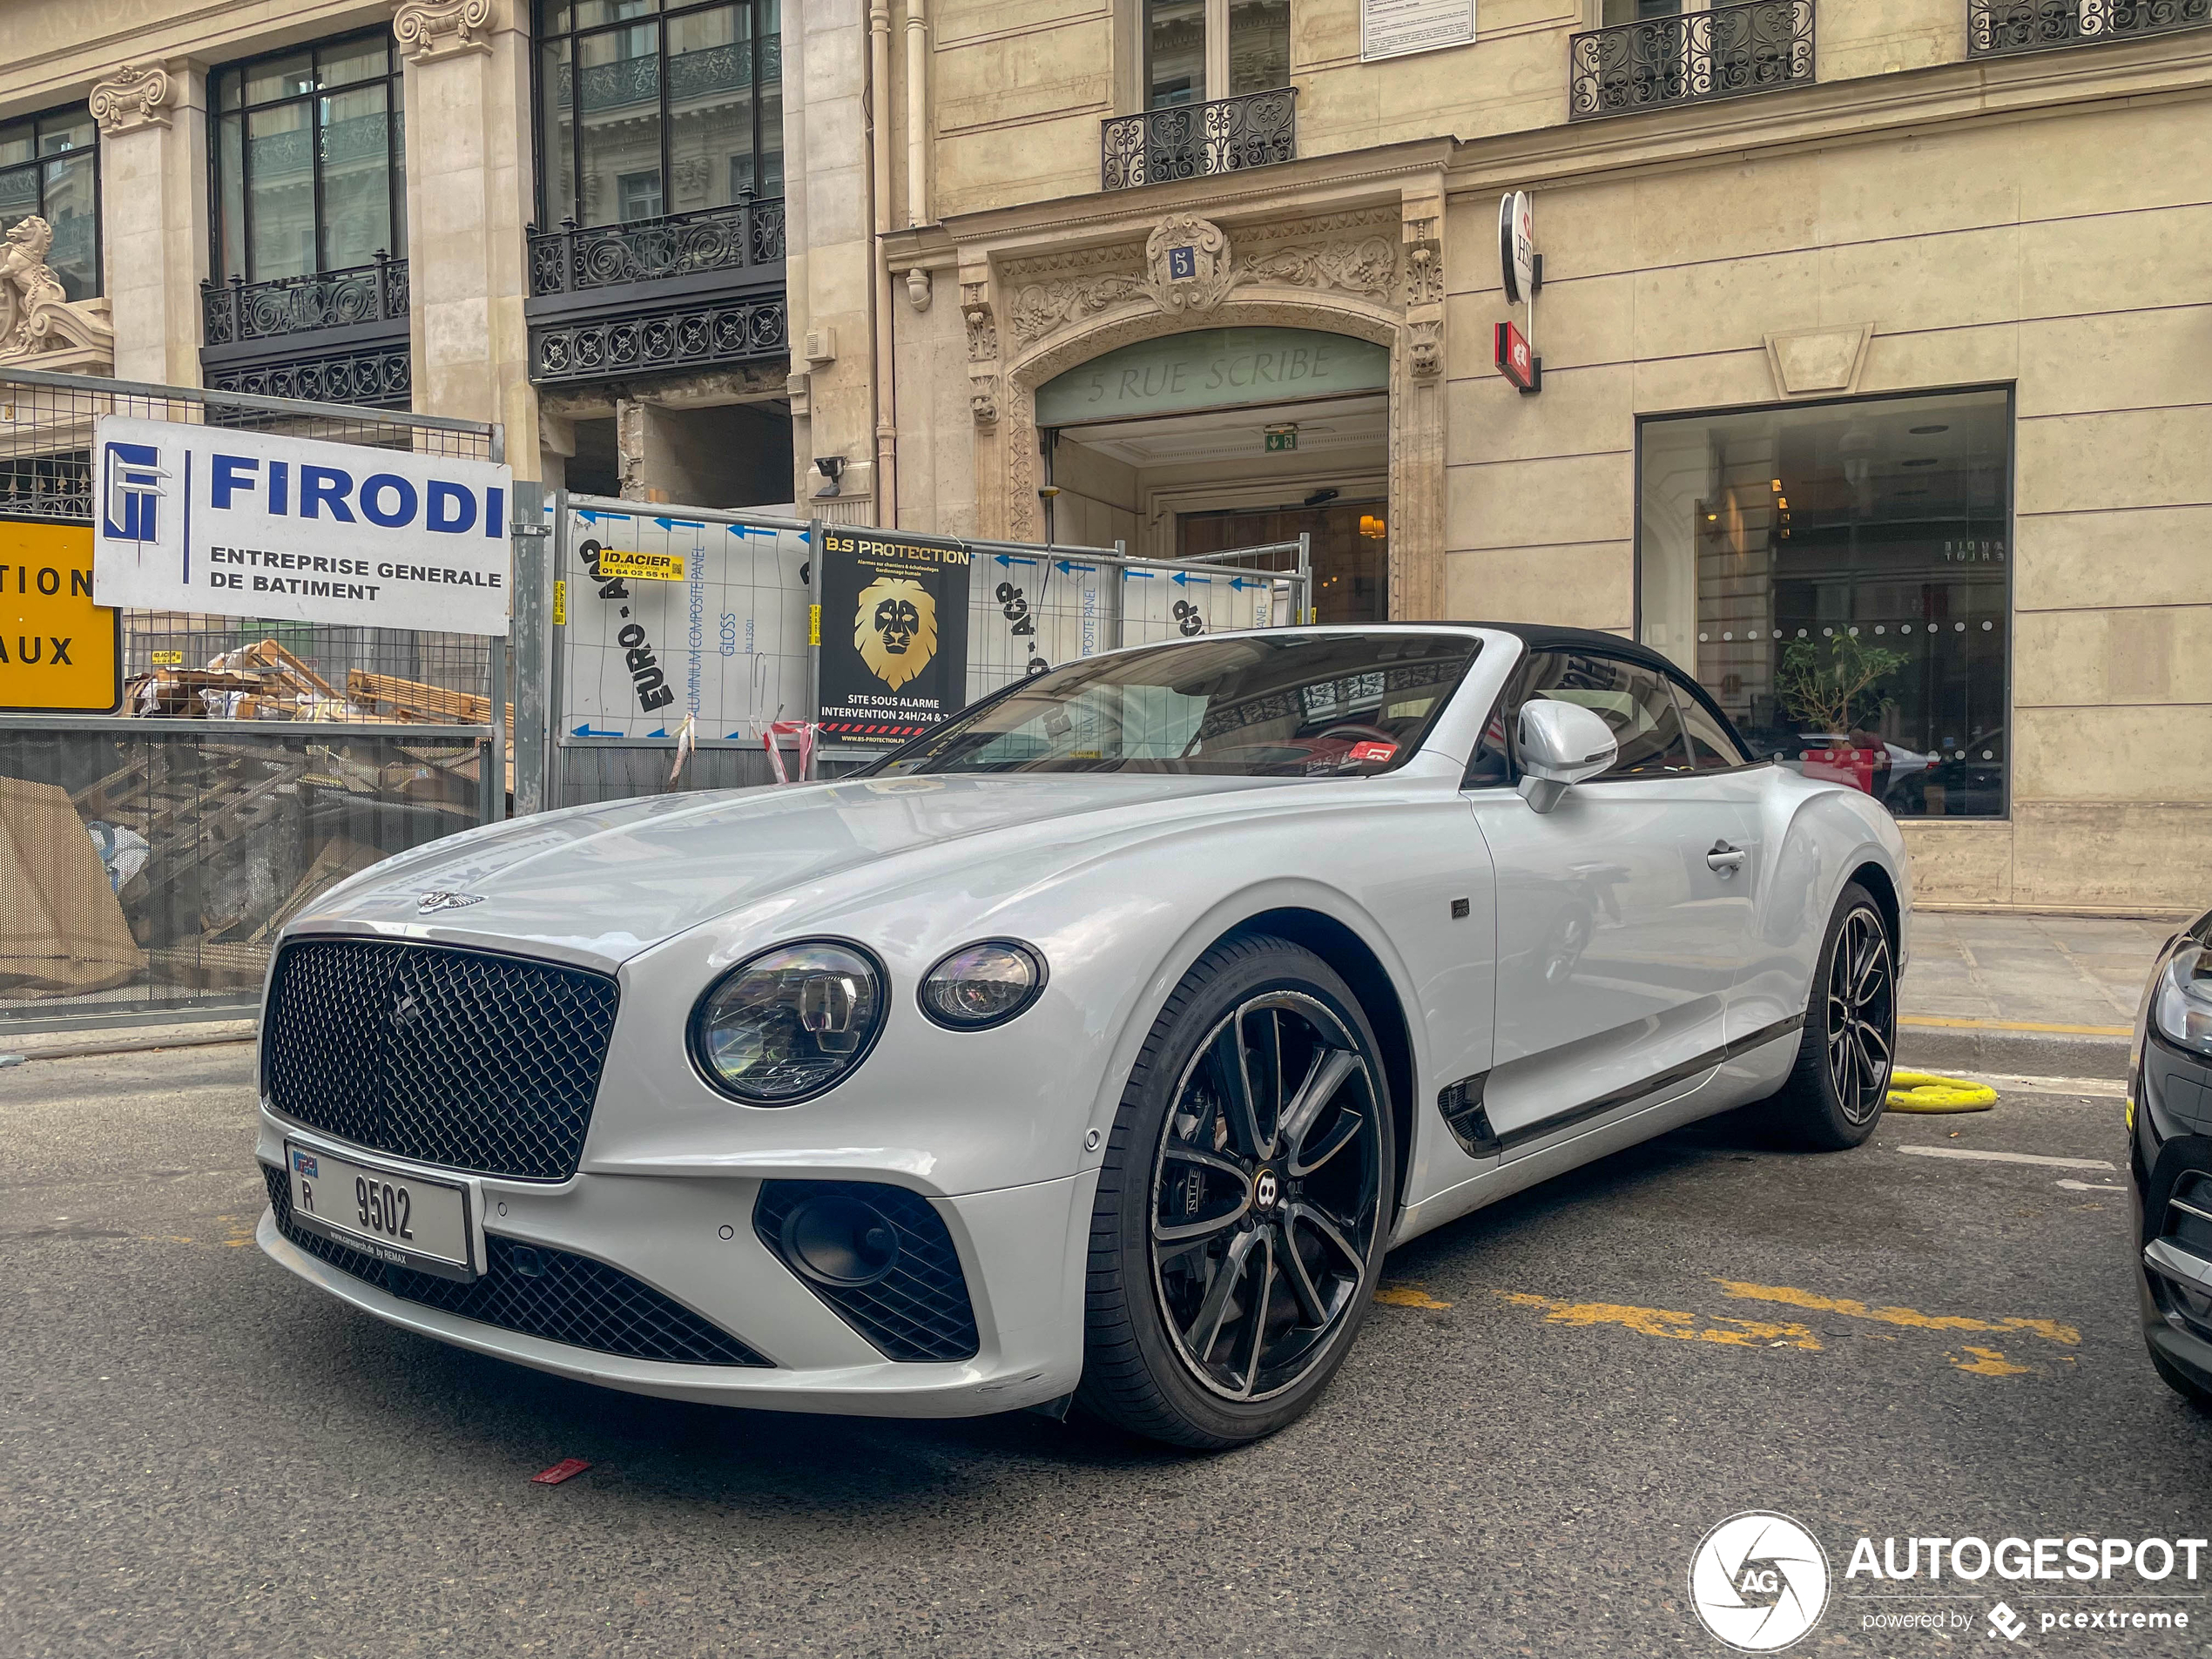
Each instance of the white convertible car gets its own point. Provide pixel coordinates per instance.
(1094, 1048)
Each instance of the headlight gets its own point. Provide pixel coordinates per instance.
(2181, 1009)
(782, 1027)
(982, 984)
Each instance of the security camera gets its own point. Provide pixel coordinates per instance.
(832, 468)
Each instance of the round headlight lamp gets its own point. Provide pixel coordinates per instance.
(2181, 1006)
(785, 1025)
(984, 984)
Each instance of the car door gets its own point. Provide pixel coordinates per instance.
(1623, 916)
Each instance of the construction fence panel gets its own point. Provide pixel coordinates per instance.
(148, 856)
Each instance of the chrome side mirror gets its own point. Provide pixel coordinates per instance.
(1561, 744)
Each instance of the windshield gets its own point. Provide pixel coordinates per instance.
(1288, 704)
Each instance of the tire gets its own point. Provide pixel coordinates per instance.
(2181, 1382)
(1234, 1252)
(1838, 1089)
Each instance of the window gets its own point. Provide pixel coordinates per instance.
(1712, 747)
(49, 166)
(1196, 49)
(310, 160)
(647, 109)
(1634, 701)
(1838, 577)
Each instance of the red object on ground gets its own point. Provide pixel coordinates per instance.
(1373, 751)
(564, 1469)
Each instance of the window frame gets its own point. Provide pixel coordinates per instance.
(553, 215)
(1216, 86)
(394, 77)
(2011, 389)
(72, 115)
(1511, 695)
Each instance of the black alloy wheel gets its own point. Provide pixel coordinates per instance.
(1243, 1203)
(1840, 1083)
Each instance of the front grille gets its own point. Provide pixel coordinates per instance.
(569, 1298)
(459, 1058)
(919, 1309)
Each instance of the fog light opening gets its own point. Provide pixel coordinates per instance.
(840, 1241)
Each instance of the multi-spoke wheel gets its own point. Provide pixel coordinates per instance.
(1841, 1081)
(1243, 1203)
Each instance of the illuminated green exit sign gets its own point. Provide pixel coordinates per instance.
(1280, 438)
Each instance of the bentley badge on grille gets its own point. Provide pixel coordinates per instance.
(425, 903)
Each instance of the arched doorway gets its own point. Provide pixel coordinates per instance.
(1216, 438)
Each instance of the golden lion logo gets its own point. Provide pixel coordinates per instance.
(895, 629)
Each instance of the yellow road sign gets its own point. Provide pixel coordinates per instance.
(653, 567)
(59, 652)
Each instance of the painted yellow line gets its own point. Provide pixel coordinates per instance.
(1666, 1322)
(1987, 1362)
(1912, 1318)
(1405, 1296)
(2014, 1025)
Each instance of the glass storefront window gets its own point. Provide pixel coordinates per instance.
(647, 110)
(49, 166)
(1838, 576)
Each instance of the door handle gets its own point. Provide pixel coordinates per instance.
(1725, 860)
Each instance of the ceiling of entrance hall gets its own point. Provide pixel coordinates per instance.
(1341, 428)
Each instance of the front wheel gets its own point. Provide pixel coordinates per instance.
(1841, 1081)
(1243, 1203)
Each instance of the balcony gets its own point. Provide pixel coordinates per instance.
(1197, 140)
(690, 291)
(336, 336)
(1690, 58)
(1998, 26)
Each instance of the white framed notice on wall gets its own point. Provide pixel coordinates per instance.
(1394, 27)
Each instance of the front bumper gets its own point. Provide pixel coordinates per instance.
(2170, 1157)
(692, 1240)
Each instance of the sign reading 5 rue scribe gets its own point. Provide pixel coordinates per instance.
(59, 652)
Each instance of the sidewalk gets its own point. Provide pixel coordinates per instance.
(2051, 996)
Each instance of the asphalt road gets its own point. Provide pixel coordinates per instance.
(200, 1455)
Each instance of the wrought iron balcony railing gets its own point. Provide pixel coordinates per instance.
(1994, 26)
(235, 312)
(1195, 140)
(574, 259)
(1696, 55)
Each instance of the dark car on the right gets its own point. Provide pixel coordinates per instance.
(2169, 1121)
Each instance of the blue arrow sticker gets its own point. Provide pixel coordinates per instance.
(590, 516)
(1147, 575)
(585, 730)
(688, 524)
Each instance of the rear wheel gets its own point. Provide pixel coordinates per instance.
(1242, 1204)
(1841, 1081)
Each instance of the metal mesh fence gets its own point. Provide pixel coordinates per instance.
(148, 858)
(178, 665)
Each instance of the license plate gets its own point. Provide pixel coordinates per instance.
(396, 1217)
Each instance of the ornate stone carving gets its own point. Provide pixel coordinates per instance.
(1367, 268)
(1187, 263)
(38, 324)
(918, 288)
(983, 402)
(134, 97)
(1424, 263)
(1040, 308)
(429, 30)
(1425, 349)
(982, 332)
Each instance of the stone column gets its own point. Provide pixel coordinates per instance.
(468, 199)
(1417, 416)
(153, 215)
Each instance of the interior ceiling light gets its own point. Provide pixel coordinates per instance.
(1924, 431)
(1777, 486)
(1782, 502)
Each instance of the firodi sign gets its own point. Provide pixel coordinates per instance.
(256, 524)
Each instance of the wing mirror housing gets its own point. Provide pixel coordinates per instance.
(1561, 744)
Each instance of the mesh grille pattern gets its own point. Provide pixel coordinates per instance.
(571, 1299)
(459, 1058)
(919, 1309)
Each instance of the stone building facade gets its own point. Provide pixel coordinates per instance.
(1875, 338)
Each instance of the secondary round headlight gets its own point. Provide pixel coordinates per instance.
(982, 984)
(2182, 1007)
(785, 1025)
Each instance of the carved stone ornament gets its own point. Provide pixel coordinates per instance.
(1425, 349)
(1424, 263)
(1040, 308)
(429, 30)
(983, 402)
(1367, 268)
(1187, 264)
(38, 327)
(133, 98)
(983, 333)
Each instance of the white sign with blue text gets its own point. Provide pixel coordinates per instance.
(258, 524)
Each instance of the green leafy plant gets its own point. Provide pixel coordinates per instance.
(1825, 695)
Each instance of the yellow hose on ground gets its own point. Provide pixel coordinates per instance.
(1923, 1091)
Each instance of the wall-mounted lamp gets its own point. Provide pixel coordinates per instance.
(832, 468)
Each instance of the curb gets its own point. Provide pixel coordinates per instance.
(1965, 1050)
(71, 1045)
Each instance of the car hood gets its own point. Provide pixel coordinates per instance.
(609, 881)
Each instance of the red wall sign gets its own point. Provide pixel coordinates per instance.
(1515, 361)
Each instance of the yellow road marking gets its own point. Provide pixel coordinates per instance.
(1987, 1362)
(1405, 1296)
(2014, 1025)
(2049, 1329)
(1666, 1322)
